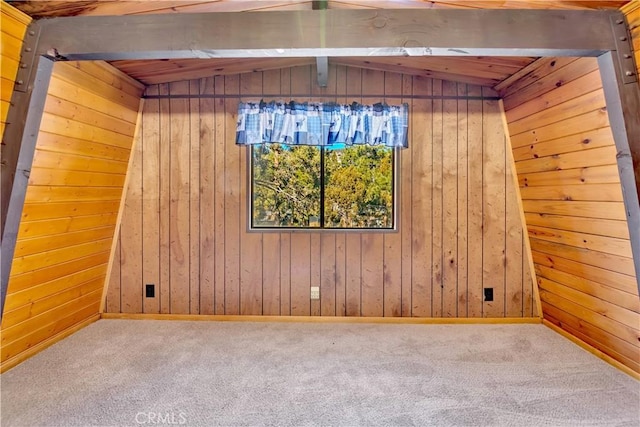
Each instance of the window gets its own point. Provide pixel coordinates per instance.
(322, 165)
(337, 187)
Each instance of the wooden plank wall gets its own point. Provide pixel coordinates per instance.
(69, 217)
(632, 12)
(185, 219)
(566, 162)
(13, 25)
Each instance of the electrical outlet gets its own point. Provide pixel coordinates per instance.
(315, 292)
(150, 290)
(488, 294)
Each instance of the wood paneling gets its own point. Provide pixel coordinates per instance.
(486, 71)
(171, 70)
(479, 70)
(455, 183)
(13, 25)
(70, 212)
(632, 12)
(566, 162)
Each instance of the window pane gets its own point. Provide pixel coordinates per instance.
(286, 186)
(359, 187)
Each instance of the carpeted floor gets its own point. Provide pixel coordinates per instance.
(128, 373)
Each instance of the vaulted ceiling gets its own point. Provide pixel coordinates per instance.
(485, 71)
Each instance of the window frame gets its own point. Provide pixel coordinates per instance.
(395, 196)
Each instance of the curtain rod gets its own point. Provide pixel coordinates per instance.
(298, 95)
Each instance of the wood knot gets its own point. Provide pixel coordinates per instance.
(379, 22)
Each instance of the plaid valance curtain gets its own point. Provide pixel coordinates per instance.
(322, 124)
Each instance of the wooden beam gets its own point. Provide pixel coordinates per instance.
(22, 134)
(623, 104)
(322, 67)
(322, 62)
(334, 32)
(16, 117)
(319, 4)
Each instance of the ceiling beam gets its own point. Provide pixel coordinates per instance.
(339, 32)
(322, 62)
(320, 4)
(322, 68)
(623, 104)
(21, 134)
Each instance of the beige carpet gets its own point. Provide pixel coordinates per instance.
(129, 373)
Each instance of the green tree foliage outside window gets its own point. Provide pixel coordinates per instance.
(313, 187)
